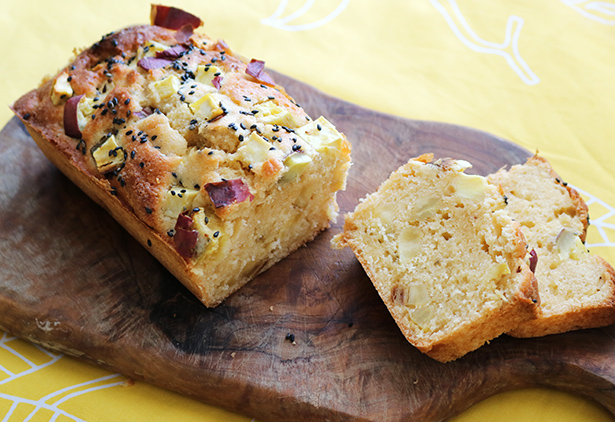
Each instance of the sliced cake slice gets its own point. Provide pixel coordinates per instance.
(445, 257)
(577, 289)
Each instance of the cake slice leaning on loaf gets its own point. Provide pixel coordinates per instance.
(577, 289)
(446, 259)
(201, 156)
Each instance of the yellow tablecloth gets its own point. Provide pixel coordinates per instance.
(541, 74)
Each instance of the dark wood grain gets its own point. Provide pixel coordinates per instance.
(66, 262)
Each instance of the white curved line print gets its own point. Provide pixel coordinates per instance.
(462, 30)
(600, 222)
(42, 402)
(589, 9)
(33, 367)
(276, 21)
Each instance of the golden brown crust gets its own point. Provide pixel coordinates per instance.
(154, 138)
(420, 202)
(576, 288)
(98, 191)
(595, 314)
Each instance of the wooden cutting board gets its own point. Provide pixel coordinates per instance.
(73, 280)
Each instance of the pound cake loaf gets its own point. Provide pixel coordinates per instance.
(197, 153)
(577, 289)
(446, 259)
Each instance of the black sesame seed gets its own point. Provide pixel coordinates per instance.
(154, 137)
(197, 186)
(134, 138)
(210, 153)
(70, 78)
(191, 93)
(149, 243)
(240, 137)
(296, 147)
(318, 126)
(216, 234)
(129, 133)
(113, 191)
(133, 153)
(232, 126)
(141, 164)
(206, 220)
(180, 195)
(290, 337)
(148, 210)
(114, 43)
(194, 121)
(174, 174)
(171, 233)
(272, 149)
(253, 127)
(26, 116)
(127, 101)
(104, 112)
(197, 209)
(242, 126)
(172, 193)
(182, 97)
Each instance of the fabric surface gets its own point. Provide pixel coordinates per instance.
(540, 74)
